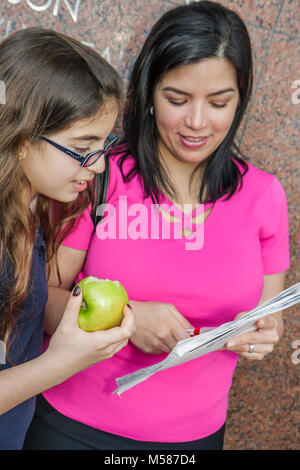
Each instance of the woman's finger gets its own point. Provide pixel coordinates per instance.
(253, 356)
(261, 336)
(267, 323)
(258, 348)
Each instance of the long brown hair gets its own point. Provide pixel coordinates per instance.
(51, 81)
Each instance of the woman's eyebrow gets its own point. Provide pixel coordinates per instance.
(227, 90)
(181, 92)
(176, 90)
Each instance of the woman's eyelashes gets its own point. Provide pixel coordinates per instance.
(181, 103)
(219, 105)
(176, 102)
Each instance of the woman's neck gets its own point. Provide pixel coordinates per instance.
(180, 175)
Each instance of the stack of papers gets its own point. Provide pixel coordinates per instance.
(213, 339)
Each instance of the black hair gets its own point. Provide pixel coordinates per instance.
(185, 35)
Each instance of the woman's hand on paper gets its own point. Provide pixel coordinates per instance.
(263, 339)
(159, 326)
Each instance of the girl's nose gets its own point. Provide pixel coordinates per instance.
(98, 166)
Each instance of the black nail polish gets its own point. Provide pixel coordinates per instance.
(76, 291)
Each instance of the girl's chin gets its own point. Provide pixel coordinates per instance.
(67, 197)
(71, 198)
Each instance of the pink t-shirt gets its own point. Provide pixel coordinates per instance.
(209, 281)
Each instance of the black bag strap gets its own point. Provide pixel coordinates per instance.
(101, 184)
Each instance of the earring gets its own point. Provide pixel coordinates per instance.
(151, 111)
(21, 157)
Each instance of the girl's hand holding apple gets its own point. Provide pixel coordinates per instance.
(72, 349)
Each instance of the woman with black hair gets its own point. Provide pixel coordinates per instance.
(196, 234)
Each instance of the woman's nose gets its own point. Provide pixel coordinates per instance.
(196, 117)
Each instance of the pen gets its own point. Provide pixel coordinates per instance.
(197, 331)
(193, 331)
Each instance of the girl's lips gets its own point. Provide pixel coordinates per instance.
(193, 142)
(79, 187)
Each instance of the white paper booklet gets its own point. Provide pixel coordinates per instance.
(213, 339)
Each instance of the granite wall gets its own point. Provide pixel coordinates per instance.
(264, 411)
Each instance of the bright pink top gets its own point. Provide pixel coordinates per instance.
(244, 238)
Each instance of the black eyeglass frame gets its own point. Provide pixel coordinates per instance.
(81, 158)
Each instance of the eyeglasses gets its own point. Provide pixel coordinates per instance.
(91, 157)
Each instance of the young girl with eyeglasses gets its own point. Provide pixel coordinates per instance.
(61, 91)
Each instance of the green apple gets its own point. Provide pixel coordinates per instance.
(102, 305)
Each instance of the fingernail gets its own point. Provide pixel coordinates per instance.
(230, 344)
(127, 305)
(76, 291)
(261, 323)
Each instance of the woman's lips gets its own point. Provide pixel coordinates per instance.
(193, 142)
